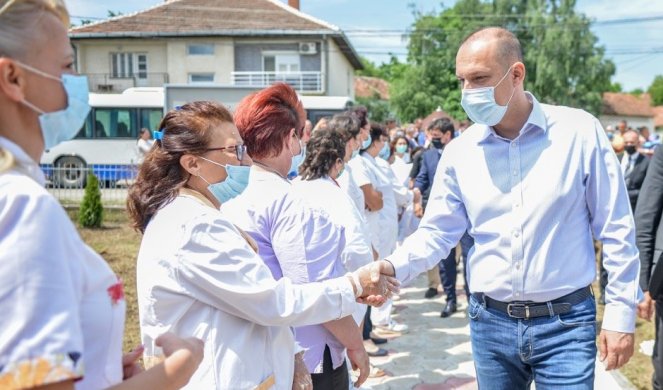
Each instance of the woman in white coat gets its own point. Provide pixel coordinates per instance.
(62, 306)
(199, 275)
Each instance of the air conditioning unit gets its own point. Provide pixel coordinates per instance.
(307, 48)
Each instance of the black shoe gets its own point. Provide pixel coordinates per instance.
(379, 340)
(449, 309)
(379, 353)
(430, 293)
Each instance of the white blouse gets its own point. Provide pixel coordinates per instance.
(62, 306)
(198, 276)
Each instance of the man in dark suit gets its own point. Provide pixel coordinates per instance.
(649, 239)
(634, 166)
(441, 132)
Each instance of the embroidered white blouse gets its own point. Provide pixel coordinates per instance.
(62, 306)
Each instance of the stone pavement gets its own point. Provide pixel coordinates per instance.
(436, 353)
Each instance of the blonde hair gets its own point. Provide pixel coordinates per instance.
(18, 19)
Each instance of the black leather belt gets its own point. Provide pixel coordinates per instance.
(528, 309)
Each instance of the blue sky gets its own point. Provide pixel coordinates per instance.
(634, 70)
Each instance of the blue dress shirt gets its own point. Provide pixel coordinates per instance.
(532, 205)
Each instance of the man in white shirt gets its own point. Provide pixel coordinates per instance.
(531, 183)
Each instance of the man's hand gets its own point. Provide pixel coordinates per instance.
(130, 367)
(376, 284)
(302, 379)
(615, 348)
(359, 361)
(646, 307)
(418, 210)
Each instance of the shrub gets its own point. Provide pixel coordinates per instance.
(91, 213)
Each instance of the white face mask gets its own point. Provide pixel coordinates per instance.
(480, 104)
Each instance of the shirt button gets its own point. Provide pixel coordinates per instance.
(516, 233)
(515, 173)
(516, 205)
(517, 265)
(514, 144)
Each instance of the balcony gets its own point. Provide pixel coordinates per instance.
(106, 83)
(305, 82)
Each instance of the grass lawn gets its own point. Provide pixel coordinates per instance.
(118, 244)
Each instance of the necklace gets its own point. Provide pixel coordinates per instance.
(267, 168)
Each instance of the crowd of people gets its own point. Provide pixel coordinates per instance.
(272, 247)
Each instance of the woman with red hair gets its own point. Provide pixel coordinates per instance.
(295, 237)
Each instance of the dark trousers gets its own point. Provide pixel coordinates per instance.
(331, 379)
(657, 356)
(368, 325)
(448, 275)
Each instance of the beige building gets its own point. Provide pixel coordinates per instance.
(228, 42)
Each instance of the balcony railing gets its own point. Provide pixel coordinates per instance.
(104, 82)
(301, 81)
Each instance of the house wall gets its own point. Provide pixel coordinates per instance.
(248, 55)
(163, 56)
(341, 73)
(180, 64)
(632, 121)
(94, 56)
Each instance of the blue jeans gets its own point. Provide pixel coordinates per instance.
(556, 352)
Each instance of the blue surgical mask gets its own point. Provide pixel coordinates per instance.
(235, 183)
(62, 125)
(297, 160)
(480, 104)
(366, 143)
(384, 152)
(401, 149)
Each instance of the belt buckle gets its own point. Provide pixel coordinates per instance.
(510, 306)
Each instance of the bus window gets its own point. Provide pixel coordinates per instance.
(86, 130)
(150, 118)
(114, 123)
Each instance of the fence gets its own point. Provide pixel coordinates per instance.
(67, 184)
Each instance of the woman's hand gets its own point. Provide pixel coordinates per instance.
(302, 379)
(130, 367)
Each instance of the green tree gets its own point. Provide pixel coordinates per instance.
(656, 90)
(564, 63)
(91, 213)
(378, 109)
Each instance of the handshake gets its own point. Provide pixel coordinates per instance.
(374, 283)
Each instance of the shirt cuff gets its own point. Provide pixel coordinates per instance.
(401, 268)
(619, 318)
(348, 300)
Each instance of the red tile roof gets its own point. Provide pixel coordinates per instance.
(626, 104)
(175, 18)
(367, 87)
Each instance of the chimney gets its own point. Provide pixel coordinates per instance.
(294, 4)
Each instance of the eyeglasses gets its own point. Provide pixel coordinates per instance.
(238, 149)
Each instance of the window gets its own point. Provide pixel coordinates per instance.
(150, 118)
(114, 123)
(201, 77)
(280, 62)
(200, 49)
(125, 65)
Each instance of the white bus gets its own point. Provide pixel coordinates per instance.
(107, 142)
(106, 145)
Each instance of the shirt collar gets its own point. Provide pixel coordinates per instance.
(259, 173)
(23, 163)
(536, 119)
